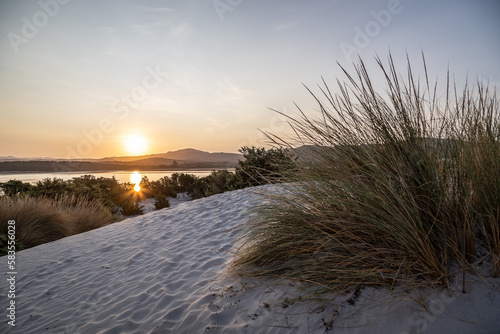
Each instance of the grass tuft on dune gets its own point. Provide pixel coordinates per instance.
(40, 220)
(393, 187)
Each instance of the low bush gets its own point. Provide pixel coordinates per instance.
(15, 187)
(161, 202)
(261, 166)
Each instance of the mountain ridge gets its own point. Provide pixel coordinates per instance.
(184, 155)
(181, 155)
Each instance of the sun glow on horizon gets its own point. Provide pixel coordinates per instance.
(135, 144)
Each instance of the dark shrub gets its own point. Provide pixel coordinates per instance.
(161, 202)
(263, 166)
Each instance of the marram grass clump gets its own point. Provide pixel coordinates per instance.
(392, 187)
(40, 220)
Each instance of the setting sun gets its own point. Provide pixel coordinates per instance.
(135, 144)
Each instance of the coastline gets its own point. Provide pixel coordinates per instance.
(5, 175)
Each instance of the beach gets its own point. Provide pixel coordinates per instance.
(167, 272)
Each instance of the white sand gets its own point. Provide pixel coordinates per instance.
(163, 272)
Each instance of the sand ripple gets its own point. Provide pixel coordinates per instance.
(162, 273)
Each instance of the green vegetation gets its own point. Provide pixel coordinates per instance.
(161, 202)
(263, 166)
(395, 187)
(120, 198)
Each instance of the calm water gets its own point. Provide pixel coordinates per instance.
(121, 176)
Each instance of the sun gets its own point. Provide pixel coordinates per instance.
(135, 144)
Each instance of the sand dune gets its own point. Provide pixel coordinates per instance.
(165, 272)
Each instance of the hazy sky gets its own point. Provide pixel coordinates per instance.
(79, 76)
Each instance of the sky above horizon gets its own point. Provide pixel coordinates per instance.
(80, 79)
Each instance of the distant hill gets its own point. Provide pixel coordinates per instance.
(185, 159)
(185, 155)
(12, 158)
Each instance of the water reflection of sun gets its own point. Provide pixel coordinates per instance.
(136, 178)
